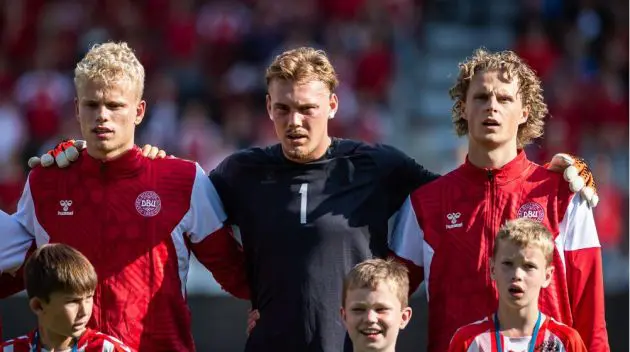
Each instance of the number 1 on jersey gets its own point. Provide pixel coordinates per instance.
(303, 202)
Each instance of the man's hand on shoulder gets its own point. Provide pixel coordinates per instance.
(152, 152)
(577, 173)
(64, 153)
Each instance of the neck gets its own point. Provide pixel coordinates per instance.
(320, 151)
(486, 157)
(517, 322)
(107, 156)
(53, 341)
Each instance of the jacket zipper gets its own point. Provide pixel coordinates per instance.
(491, 231)
(103, 177)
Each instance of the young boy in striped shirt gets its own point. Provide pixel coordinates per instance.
(521, 267)
(60, 283)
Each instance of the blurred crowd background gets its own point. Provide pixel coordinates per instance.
(205, 87)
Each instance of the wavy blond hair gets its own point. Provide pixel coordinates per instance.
(372, 272)
(303, 65)
(110, 63)
(525, 232)
(529, 89)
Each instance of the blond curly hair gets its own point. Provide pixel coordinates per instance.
(302, 65)
(110, 63)
(529, 88)
(525, 232)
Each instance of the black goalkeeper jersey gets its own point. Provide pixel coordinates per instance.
(304, 226)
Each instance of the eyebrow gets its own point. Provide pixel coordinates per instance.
(98, 101)
(300, 106)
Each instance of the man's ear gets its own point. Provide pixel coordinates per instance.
(333, 105)
(36, 305)
(342, 311)
(525, 115)
(268, 104)
(463, 113)
(492, 268)
(548, 276)
(405, 317)
(140, 110)
(76, 108)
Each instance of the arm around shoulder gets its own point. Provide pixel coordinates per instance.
(582, 254)
(211, 240)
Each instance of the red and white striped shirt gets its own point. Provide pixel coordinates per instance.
(481, 337)
(90, 341)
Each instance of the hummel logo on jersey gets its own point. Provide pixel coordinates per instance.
(453, 217)
(65, 206)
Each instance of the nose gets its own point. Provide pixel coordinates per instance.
(84, 307)
(518, 274)
(372, 316)
(295, 119)
(102, 114)
(492, 103)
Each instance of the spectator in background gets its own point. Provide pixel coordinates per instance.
(536, 48)
(610, 225)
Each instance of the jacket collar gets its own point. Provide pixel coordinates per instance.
(126, 165)
(509, 172)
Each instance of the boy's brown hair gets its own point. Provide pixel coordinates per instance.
(58, 268)
(303, 65)
(372, 272)
(525, 232)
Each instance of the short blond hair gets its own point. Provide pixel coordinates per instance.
(303, 65)
(110, 63)
(372, 272)
(511, 65)
(58, 268)
(525, 232)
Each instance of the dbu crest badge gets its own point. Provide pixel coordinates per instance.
(531, 210)
(148, 204)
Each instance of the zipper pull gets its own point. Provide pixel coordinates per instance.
(490, 175)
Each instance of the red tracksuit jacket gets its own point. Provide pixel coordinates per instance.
(136, 220)
(447, 230)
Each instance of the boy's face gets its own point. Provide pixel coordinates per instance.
(108, 115)
(520, 273)
(374, 317)
(65, 314)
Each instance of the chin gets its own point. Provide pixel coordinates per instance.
(299, 153)
(102, 145)
(518, 303)
(78, 330)
(490, 141)
(374, 346)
